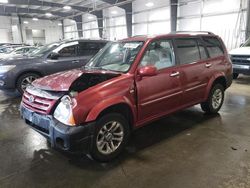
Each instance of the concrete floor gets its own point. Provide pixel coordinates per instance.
(185, 150)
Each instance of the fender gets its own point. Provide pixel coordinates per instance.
(94, 113)
(211, 82)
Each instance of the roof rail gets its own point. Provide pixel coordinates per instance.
(207, 32)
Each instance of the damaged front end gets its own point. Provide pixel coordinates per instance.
(47, 106)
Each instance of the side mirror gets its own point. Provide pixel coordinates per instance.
(54, 55)
(147, 71)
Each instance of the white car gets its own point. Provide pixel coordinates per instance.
(241, 59)
(19, 51)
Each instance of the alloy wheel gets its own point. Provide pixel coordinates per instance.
(110, 137)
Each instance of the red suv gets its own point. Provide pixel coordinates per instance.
(128, 84)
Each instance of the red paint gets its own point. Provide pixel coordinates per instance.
(148, 93)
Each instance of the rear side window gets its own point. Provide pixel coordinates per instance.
(88, 48)
(187, 50)
(214, 46)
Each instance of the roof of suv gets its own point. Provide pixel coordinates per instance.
(178, 33)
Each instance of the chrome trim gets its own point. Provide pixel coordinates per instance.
(174, 74)
(195, 87)
(159, 99)
(41, 93)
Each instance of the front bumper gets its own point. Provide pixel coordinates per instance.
(241, 69)
(67, 138)
(7, 81)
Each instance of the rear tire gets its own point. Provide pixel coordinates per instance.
(215, 100)
(110, 137)
(25, 80)
(235, 76)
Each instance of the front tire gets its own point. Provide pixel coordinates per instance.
(25, 80)
(110, 137)
(235, 76)
(215, 100)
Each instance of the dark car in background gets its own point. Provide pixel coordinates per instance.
(17, 73)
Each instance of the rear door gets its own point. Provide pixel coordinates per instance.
(194, 73)
(159, 94)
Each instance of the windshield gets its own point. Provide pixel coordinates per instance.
(247, 43)
(43, 50)
(116, 56)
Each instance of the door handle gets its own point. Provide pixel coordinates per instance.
(174, 74)
(75, 61)
(208, 65)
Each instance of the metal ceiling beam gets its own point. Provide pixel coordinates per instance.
(5, 9)
(248, 20)
(99, 15)
(78, 20)
(173, 14)
(45, 3)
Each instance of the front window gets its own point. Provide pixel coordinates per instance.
(116, 56)
(43, 50)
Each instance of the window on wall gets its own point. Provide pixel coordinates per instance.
(187, 50)
(214, 46)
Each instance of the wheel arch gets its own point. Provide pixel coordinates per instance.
(122, 106)
(220, 78)
(27, 72)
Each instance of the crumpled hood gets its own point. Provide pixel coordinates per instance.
(240, 51)
(62, 81)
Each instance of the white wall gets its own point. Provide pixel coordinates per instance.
(151, 20)
(223, 17)
(53, 32)
(114, 23)
(70, 29)
(5, 29)
(90, 26)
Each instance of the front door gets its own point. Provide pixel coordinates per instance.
(67, 58)
(159, 94)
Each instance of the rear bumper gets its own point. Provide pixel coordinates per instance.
(67, 138)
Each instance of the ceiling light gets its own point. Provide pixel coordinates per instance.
(35, 19)
(25, 22)
(149, 4)
(48, 14)
(59, 24)
(114, 12)
(3, 1)
(90, 17)
(66, 7)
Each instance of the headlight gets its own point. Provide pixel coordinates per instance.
(64, 111)
(6, 68)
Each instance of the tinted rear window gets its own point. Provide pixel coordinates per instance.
(88, 48)
(214, 46)
(187, 50)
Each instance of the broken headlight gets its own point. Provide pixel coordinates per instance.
(64, 111)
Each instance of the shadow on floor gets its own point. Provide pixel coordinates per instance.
(244, 80)
(141, 139)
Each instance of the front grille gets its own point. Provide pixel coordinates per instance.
(38, 104)
(240, 59)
